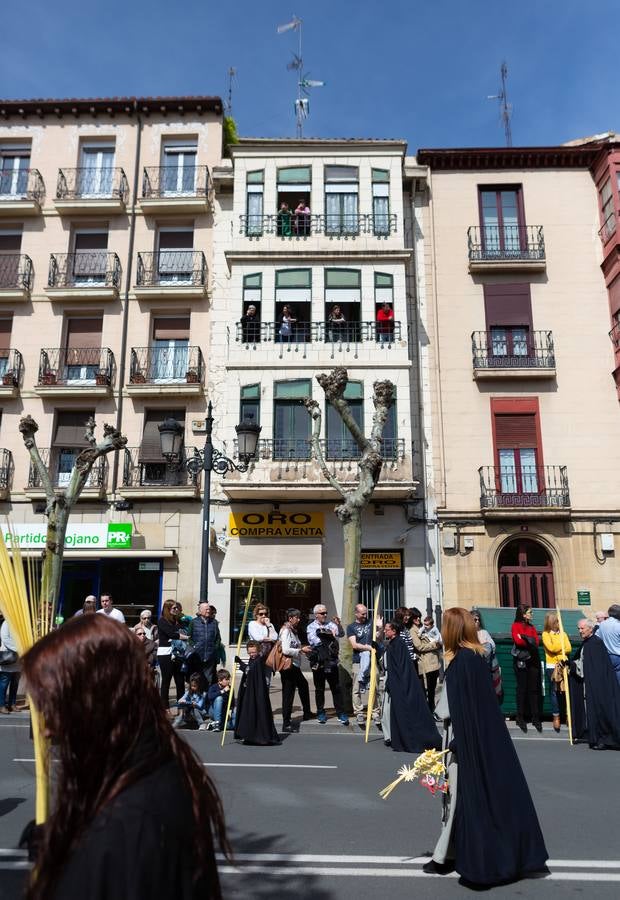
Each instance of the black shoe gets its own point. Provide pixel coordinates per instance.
(521, 724)
(307, 717)
(537, 726)
(436, 717)
(387, 743)
(433, 868)
(288, 728)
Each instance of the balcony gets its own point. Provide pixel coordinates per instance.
(285, 469)
(528, 492)
(6, 473)
(171, 273)
(59, 462)
(91, 190)
(301, 227)
(69, 372)
(343, 339)
(156, 480)
(11, 371)
(162, 371)
(506, 356)
(492, 248)
(173, 189)
(87, 274)
(16, 276)
(21, 193)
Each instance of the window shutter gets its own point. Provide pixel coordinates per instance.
(150, 448)
(10, 243)
(171, 329)
(507, 305)
(70, 428)
(5, 335)
(176, 240)
(515, 431)
(83, 333)
(91, 240)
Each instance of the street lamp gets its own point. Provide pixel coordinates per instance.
(208, 460)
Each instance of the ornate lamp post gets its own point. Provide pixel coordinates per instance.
(208, 460)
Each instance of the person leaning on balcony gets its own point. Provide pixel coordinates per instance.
(336, 324)
(250, 325)
(557, 647)
(385, 324)
(287, 323)
(526, 663)
(284, 220)
(302, 218)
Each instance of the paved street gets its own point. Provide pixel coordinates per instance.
(306, 818)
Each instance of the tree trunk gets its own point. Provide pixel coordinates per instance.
(352, 536)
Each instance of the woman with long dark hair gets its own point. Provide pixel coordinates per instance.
(491, 833)
(526, 664)
(136, 815)
(169, 629)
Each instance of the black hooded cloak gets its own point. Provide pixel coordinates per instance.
(602, 695)
(254, 723)
(496, 832)
(412, 726)
(576, 684)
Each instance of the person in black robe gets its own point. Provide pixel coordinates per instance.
(254, 723)
(412, 727)
(597, 693)
(136, 815)
(496, 837)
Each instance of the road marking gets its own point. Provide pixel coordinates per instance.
(265, 765)
(400, 860)
(13, 852)
(362, 872)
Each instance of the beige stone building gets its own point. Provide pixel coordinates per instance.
(523, 475)
(106, 224)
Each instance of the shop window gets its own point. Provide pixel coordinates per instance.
(340, 443)
(294, 187)
(380, 202)
(341, 200)
(291, 421)
(254, 203)
(343, 304)
(250, 403)
(293, 306)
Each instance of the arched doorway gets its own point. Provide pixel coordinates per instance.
(525, 575)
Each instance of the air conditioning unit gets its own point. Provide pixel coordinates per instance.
(448, 539)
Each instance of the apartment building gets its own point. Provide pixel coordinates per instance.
(525, 425)
(106, 224)
(313, 241)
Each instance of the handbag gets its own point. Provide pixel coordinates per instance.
(276, 660)
(520, 654)
(8, 657)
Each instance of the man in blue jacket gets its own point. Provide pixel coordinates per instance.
(206, 640)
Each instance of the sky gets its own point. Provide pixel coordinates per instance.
(397, 68)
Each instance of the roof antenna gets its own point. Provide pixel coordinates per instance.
(232, 74)
(505, 106)
(302, 103)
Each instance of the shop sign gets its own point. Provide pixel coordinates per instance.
(376, 559)
(116, 536)
(276, 524)
(148, 567)
(583, 598)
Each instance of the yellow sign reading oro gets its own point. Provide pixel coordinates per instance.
(379, 560)
(276, 524)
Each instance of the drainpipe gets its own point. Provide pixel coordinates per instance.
(122, 366)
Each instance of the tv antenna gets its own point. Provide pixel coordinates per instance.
(504, 106)
(304, 82)
(232, 74)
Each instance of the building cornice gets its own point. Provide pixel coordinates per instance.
(109, 106)
(315, 146)
(296, 256)
(489, 158)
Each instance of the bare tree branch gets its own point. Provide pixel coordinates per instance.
(28, 428)
(334, 386)
(315, 411)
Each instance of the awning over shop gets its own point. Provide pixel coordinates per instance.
(272, 559)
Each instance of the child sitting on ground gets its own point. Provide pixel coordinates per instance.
(217, 701)
(191, 705)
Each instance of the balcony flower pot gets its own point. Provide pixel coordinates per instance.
(192, 377)
(9, 380)
(102, 379)
(48, 378)
(137, 378)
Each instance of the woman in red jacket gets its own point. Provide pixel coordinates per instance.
(526, 664)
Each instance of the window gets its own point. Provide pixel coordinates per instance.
(380, 202)
(293, 306)
(6, 326)
(153, 467)
(69, 441)
(10, 246)
(96, 172)
(251, 313)
(254, 203)
(90, 258)
(384, 308)
(293, 201)
(343, 304)
(178, 177)
(608, 211)
(502, 221)
(291, 422)
(250, 403)
(14, 169)
(169, 351)
(390, 432)
(83, 350)
(340, 442)
(341, 200)
(517, 447)
(508, 311)
(176, 255)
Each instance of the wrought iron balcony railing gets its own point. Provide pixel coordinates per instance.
(105, 183)
(166, 365)
(303, 226)
(608, 228)
(15, 272)
(172, 268)
(533, 350)
(141, 471)
(334, 450)
(175, 181)
(79, 366)
(525, 487)
(84, 269)
(614, 335)
(11, 367)
(6, 469)
(506, 243)
(21, 184)
(60, 461)
(319, 332)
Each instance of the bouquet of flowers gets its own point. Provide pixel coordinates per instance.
(429, 770)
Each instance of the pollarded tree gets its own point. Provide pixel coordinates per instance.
(357, 497)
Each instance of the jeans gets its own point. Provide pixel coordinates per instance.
(293, 678)
(527, 692)
(553, 694)
(358, 700)
(217, 712)
(320, 676)
(170, 669)
(8, 688)
(189, 714)
(614, 659)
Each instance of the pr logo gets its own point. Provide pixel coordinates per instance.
(119, 536)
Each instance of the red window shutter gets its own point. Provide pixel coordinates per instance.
(169, 328)
(84, 333)
(5, 335)
(507, 305)
(515, 431)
